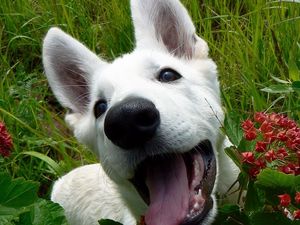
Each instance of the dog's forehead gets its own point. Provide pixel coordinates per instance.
(146, 64)
(133, 69)
(140, 64)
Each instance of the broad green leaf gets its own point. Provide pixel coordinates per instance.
(254, 199)
(7, 220)
(246, 146)
(231, 215)
(44, 212)
(294, 72)
(278, 182)
(278, 89)
(296, 85)
(108, 222)
(275, 218)
(232, 128)
(18, 192)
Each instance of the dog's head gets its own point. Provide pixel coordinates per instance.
(151, 115)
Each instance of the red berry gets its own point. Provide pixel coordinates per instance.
(247, 125)
(296, 214)
(282, 136)
(285, 200)
(269, 137)
(270, 155)
(260, 117)
(297, 197)
(286, 170)
(260, 163)
(281, 153)
(266, 127)
(254, 171)
(250, 135)
(5, 141)
(248, 157)
(260, 146)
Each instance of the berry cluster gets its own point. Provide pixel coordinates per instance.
(277, 144)
(288, 207)
(5, 141)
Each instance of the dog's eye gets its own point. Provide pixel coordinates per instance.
(100, 108)
(168, 75)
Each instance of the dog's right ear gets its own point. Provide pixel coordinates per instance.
(69, 67)
(166, 25)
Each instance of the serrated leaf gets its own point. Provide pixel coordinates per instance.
(47, 213)
(232, 128)
(277, 181)
(108, 222)
(278, 89)
(18, 192)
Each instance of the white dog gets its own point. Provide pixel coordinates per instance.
(153, 118)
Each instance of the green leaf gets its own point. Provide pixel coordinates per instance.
(108, 222)
(254, 199)
(278, 89)
(231, 215)
(294, 72)
(19, 204)
(246, 146)
(276, 218)
(233, 153)
(56, 167)
(278, 182)
(232, 128)
(44, 212)
(296, 85)
(279, 80)
(17, 193)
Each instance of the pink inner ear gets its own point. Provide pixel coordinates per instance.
(164, 25)
(171, 31)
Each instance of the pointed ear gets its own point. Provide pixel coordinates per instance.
(69, 67)
(165, 24)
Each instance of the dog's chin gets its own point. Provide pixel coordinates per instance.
(178, 187)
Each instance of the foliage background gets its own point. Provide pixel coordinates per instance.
(256, 45)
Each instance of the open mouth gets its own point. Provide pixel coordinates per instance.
(177, 187)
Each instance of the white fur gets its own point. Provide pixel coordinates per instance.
(190, 110)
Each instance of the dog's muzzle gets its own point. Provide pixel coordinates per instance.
(177, 187)
(131, 123)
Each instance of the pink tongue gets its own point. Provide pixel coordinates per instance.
(169, 192)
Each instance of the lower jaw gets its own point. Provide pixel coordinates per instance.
(207, 180)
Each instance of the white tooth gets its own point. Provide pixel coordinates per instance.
(198, 195)
(196, 206)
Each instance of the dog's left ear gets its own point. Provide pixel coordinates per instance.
(165, 24)
(69, 67)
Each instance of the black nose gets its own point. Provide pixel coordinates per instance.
(131, 123)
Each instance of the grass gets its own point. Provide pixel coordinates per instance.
(256, 44)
